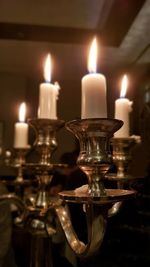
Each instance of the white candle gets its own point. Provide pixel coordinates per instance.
(48, 94)
(122, 110)
(21, 129)
(93, 90)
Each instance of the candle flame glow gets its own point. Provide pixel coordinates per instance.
(22, 112)
(124, 86)
(92, 57)
(47, 69)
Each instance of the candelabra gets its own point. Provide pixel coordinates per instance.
(94, 159)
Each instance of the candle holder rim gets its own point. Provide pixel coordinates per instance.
(136, 138)
(52, 123)
(112, 196)
(112, 125)
(126, 140)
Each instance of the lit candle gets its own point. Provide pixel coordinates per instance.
(122, 110)
(93, 89)
(48, 94)
(21, 129)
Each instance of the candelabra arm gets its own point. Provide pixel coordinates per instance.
(118, 205)
(17, 202)
(96, 225)
(114, 209)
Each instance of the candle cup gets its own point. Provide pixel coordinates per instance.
(45, 142)
(94, 158)
(122, 155)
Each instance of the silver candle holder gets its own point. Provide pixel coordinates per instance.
(94, 159)
(121, 154)
(45, 144)
(19, 162)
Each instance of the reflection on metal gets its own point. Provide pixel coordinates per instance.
(19, 161)
(38, 213)
(122, 154)
(96, 224)
(121, 157)
(94, 158)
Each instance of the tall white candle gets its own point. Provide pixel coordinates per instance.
(21, 129)
(48, 94)
(93, 89)
(122, 110)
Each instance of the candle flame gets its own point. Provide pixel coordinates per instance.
(124, 86)
(22, 112)
(92, 57)
(47, 69)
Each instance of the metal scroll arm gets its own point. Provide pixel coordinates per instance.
(96, 225)
(17, 202)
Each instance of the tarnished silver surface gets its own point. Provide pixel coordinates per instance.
(96, 225)
(45, 142)
(95, 157)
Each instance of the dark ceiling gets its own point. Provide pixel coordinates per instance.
(29, 29)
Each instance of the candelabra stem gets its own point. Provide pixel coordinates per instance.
(42, 198)
(41, 252)
(96, 186)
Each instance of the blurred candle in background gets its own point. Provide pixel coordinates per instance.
(48, 94)
(21, 129)
(122, 110)
(93, 103)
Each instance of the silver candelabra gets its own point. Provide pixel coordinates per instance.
(94, 159)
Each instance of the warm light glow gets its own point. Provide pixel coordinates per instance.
(92, 57)
(124, 86)
(22, 112)
(47, 69)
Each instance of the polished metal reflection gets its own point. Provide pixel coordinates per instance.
(45, 142)
(96, 223)
(122, 157)
(94, 160)
(19, 162)
(95, 157)
(122, 154)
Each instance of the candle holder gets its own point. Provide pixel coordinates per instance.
(45, 144)
(19, 162)
(122, 157)
(95, 156)
(94, 159)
